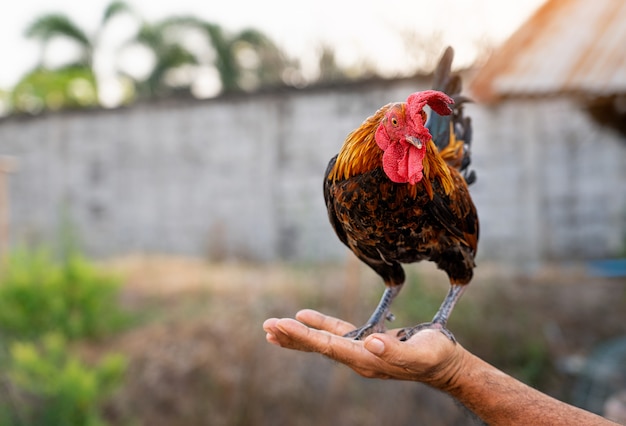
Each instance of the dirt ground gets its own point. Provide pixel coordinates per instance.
(198, 353)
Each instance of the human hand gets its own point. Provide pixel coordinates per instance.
(428, 356)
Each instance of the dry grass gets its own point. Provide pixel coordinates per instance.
(199, 355)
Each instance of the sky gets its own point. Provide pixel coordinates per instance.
(355, 28)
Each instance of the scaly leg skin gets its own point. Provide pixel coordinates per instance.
(440, 319)
(376, 323)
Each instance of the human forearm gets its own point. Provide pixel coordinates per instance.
(429, 357)
(499, 399)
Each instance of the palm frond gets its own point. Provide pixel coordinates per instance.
(113, 9)
(53, 25)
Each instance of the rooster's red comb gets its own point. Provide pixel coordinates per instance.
(437, 101)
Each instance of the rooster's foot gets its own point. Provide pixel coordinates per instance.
(406, 333)
(370, 328)
(362, 332)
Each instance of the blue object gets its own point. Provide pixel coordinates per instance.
(609, 268)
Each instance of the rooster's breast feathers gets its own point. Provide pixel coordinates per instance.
(382, 221)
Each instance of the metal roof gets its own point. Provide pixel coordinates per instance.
(567, 46)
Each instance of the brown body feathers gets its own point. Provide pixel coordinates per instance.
(387, 223)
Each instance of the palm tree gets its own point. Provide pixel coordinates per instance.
(268, 63)
(242, 61)
(55, 25)
(225, 52)
(48, 27)
(163, 40)
(73, 84)
(246, 60)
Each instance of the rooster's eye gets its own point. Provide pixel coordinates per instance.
(394, 121)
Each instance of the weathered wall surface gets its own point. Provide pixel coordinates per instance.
(242, 176)
(552, 183)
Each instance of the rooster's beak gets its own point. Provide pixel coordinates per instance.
(416, 142)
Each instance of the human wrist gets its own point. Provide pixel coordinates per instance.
(447, 375)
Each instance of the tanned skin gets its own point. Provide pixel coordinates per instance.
(431, 358)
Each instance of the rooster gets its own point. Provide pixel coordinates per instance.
(397, 192)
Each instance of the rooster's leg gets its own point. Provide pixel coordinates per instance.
(440, 319)
(376, 323)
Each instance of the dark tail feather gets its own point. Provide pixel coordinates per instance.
(441, 74)
(439, 126)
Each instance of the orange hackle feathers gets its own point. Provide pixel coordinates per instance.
(360, 154)
(436, 168)
(454, 152)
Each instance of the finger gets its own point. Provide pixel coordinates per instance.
(425, 347)
(293, 334)
(269, 325)
(277, 336)
(347, 351)
(271, 338)
(320, 341)
(387, 348)
(320, 321)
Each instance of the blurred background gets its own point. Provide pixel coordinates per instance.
(161, 173)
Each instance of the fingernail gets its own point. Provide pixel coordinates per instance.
(375, 346)
(271, 339)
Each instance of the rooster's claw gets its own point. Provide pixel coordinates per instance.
(406, 333)
(362, 332)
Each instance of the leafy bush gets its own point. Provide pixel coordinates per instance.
(69, 87)
(64, 390)
(44, 305)
(73, 298)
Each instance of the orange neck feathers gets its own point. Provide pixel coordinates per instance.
(435, 168)
(360, 154)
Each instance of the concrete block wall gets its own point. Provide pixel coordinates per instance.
(241, 177)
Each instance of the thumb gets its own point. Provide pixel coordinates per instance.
(426, 348)
(429, 356)
(384, 346)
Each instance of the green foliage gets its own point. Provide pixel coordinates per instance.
(45, 304)
(191, 56)
(70, 87)
(54, 25)
(162, 40)
(38, 296)
(114, 9)
(67, 391)
(5, 102)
